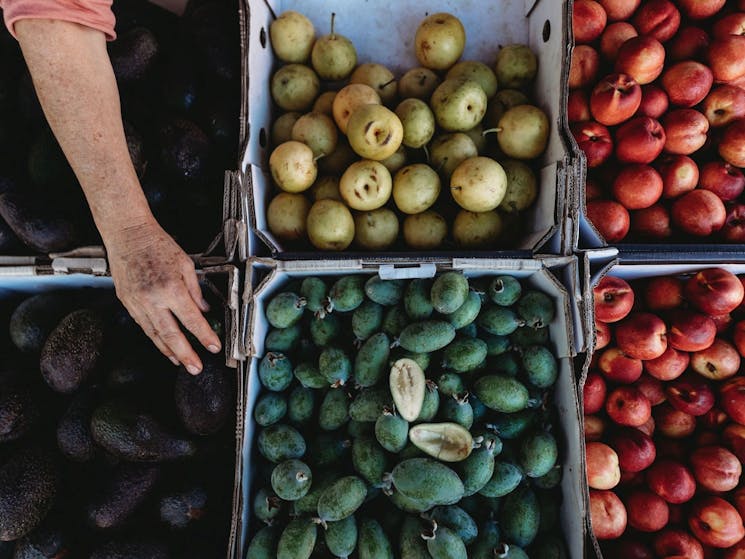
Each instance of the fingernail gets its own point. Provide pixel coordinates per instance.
(205, 305)
(174, 360)
(193, 369)
(213, 348)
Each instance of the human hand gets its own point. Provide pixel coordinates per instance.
(156, 282)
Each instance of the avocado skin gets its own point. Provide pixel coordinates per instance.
(184, 151)
(125, 489)
(73, 351)
(204, 401)
(34, 319)
(134, 436)
(46, 542)
(28, 485)
(179, 509)
(131, 550)
(74, 429)
(18, 413)
(9, 242)
(133, 55)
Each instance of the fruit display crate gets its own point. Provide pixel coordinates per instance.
(88, 283)
(383, 32)
(555, 276)
(685, 443)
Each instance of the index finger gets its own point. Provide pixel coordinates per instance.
(169, 332)
(187, 312)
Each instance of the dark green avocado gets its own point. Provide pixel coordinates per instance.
(204, 401)
(131, 550)
(122, 492)
(18, 413)
(34, 319)
(184, 151)
(74, 437)
(180, 509)
(48, 541)
(133, 54)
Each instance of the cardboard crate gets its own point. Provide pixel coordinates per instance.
(383, 32)
(264, 277)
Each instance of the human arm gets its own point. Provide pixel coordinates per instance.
(154, 278)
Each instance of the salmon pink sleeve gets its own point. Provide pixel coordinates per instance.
(96, 14)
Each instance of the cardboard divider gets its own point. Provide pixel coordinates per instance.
(264, 277)
(542, 24)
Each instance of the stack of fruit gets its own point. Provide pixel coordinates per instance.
(663, 128)
(665, 416)
(389, 148)
(107, 451)
(435, 437)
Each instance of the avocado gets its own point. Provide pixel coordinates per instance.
(136, 436)
(180, 86)
(28, 485)
(136, 149)
(184, 151)
(9, 242)
(213, 26)
(133, 55)
(47, 164)
(220, 121)
(155, 187)
(34, 319)
(180, 509)
(18, 413)
(48, 541)
(204, 401)
(131, 550)
(123, 491)
(41, 227)
(74, 437)
(73, 351)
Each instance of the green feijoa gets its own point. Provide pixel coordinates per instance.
(457, 520)
(283, 339)
(520, 516)
(384, 292)
(410, 451)
(369, 459)
(449, 291)
(504, 290)
(357, 429)
(505, 479)
(421, 359)
(427, 336)
(431, 403)
(458, 410)
(367, 319)
(324, 329)
(496, 345)
(334, 411)
(301, 405)
(370, 403)
(538, 454)
(270, 408)
(341, 537)
(291, 479)
(309, 376)
(275, 371)
(341, 499)
(410, 543)
(309, 503)
(444, 543)
(313, 290)
(407, 504)
(334, 366)
(264, 544)
(549, 546)
(285, 309)
(327, 448)
(505, 364)
(526, 336)
(464, 354)
(549, 480)
(549, 503)
(347, 293)
(468, 331)
(483, 548)
(476, 470)
(536, 309)
(417, 300)
(540, 366)
(426, 479)
(501, 393)
(510, 551)
(395, 320)
(450, 384)
(372, 543)
(392, 432)
(467, 312)
(297, 540)
(280, 442)
(499, 321)
(371, 360)
(511, 426)
(479, 409)
(266, 505)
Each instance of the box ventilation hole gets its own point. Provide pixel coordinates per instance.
(262, 138)
(546, 31)
(262, 37)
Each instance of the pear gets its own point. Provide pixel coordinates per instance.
(324, 103)
(439, 41)
(292, 36)
(375, 230)
(476, 71)
(417, 120)
(394, 162)
(295, 87)
(522, 186)
(415, 188)
(425, 231)
(366, 185)
(317, 131)
(286, 216)
(374, 132)
(326, 187)
(478, 184)
(330, 225)
(350, 98)
(447, 151)
(380, 78)
(477, 137)
(522, 132)
(516, 66)
(504, 100)
(477, 229)
(282, 127)
(418, 83)
(293, 166)
(338, 160)
(458, 104)
(333, 55)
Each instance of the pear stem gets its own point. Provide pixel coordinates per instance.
(319, 156)
(333, 17)
(426, 152)
(491, 131)
(386, 84)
